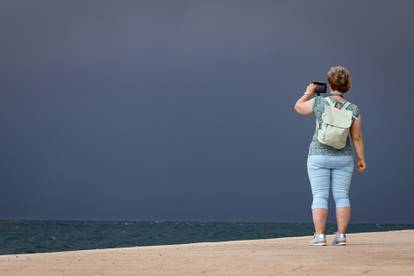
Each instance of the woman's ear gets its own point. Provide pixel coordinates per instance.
(329, 88)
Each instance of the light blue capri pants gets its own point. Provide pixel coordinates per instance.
(330, 170)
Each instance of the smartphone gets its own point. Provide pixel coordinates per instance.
(321, 87)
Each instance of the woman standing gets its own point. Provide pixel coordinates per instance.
(328, 166)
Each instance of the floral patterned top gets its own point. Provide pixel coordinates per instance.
(317, 148)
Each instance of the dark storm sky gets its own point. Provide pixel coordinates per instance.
(178, 110)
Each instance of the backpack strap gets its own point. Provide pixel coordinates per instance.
(329, 100)
(345, 105)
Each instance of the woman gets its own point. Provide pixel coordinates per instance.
(328, 166)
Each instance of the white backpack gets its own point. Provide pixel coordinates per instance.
(336, 124)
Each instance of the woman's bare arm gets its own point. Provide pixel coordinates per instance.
(304, 105)
(357, 139)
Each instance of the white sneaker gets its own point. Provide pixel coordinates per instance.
(340, 239)
(318, 239)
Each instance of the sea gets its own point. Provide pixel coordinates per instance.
(38, 236)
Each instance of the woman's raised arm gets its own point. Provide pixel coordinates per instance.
(304, 105)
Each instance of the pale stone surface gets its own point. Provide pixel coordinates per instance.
(380, 253)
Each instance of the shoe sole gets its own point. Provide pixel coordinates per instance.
(339, 243)
(318, 244)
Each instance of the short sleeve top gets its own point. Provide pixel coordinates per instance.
(317, 148)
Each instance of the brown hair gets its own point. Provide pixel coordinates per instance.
(339, 78)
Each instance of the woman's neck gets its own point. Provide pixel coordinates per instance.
(338, 95)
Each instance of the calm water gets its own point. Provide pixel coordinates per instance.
(32, 236)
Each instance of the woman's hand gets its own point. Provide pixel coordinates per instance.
(311, 88)
(361, 166)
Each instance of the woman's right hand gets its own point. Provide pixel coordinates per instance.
(311, 88)
(361, 166)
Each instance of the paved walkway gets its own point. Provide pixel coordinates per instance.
(381, 253)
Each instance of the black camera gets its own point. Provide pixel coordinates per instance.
(321, 87)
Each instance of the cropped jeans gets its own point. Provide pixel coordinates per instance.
(329, 170)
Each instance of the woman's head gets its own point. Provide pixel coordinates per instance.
(339, 79)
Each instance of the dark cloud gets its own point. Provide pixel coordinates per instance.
(184, 109)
